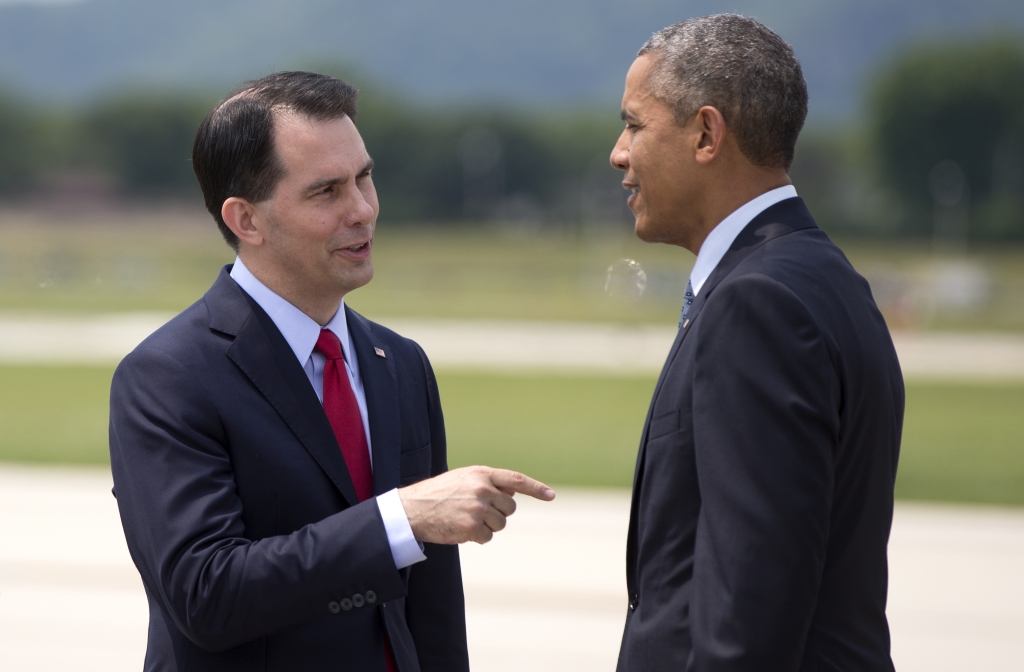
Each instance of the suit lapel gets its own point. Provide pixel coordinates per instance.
(261, 353)
(782, 218)
(380, 383)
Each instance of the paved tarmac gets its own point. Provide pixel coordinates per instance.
(548, 594)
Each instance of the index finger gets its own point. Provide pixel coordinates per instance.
(504, 479)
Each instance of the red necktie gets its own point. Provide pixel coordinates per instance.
(343, 414)
(347, 423)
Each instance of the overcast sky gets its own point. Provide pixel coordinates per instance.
(40, 2)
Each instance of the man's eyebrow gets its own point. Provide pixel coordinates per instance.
(334, 181)
(627, 116)
(324, 183)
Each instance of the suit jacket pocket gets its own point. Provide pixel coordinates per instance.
(416, 465)
(664, 423)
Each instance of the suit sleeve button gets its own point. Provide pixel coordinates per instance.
(333, 607)
(358, 600)
(346, 604)
(371, 597)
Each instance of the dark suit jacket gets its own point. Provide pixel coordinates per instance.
(763, 493)
(239, 511)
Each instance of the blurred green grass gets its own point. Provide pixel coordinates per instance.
(164, 261)
(54, 414)
(962, 442)
(148, 263)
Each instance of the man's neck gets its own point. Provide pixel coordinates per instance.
(319, 309)
(730, 197)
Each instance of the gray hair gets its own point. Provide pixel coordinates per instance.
(738, 66)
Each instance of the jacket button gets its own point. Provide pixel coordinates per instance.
(371, 597)
(633, 600)
(346, 604)
(358, 600)
(333, 607)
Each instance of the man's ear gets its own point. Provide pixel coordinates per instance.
(241, 217)
(711, 126)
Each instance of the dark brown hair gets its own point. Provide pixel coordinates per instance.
(234, 154)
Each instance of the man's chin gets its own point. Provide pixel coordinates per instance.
(644, 231)
(650, 232)
(357, 277)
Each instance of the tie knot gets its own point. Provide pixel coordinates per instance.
(328, 345)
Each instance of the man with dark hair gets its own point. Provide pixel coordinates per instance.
(279, 460)
(763, 491)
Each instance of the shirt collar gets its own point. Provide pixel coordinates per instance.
(299, 330)
(722, 236)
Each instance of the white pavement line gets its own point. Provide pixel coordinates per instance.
(964, 356)
(74, 339)
(539, 345)
(70, 598)
(956, 591)
(505, 346)
(547, 594)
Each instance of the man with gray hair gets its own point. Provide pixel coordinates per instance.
(763, 493)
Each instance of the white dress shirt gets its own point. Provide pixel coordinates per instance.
(722, 236)
(301, 332)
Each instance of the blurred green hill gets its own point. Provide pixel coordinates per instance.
(527, 53)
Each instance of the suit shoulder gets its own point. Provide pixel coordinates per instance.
(809, 264)
(181, 338)
(806, 247)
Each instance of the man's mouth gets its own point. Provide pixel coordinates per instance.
(358, 251)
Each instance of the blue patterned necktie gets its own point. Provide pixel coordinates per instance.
(687, 302)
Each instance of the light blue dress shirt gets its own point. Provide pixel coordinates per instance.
(722, 236)
(301, 332)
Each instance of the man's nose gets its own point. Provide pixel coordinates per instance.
(620, 153)
(360, 211)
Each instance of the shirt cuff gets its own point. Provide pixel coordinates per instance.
(404, 547)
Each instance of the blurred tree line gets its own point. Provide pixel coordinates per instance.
(940, 152)
(129, 146)
(431, 165)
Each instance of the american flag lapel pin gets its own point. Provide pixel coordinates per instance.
(380, 353)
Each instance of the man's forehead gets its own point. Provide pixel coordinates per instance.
(304, 129)
(637, 80)
(319, 148)
(640, 70)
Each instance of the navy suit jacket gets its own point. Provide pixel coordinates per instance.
(239, 511)
(763, 493)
